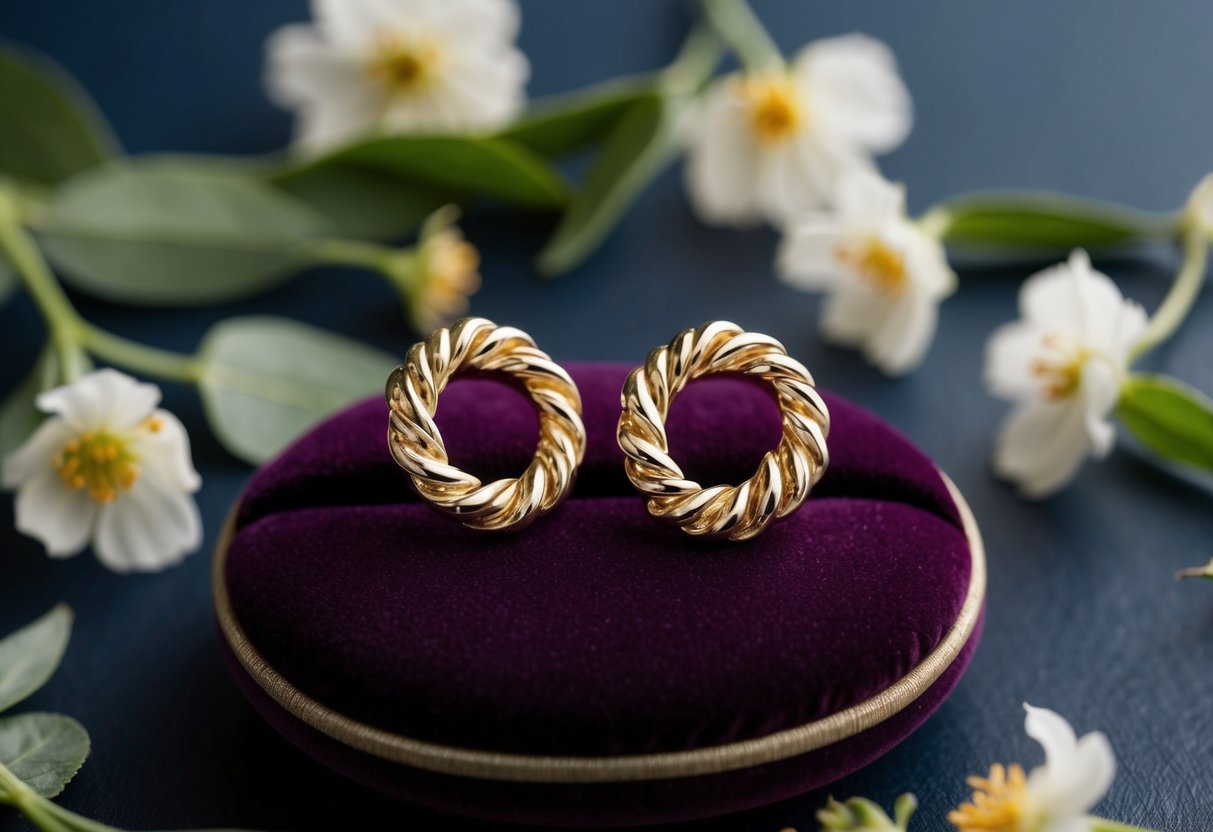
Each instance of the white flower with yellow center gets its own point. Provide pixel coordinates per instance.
(885, 274)
(1054, 797)
(108, 466)
(771, 144)
(404, 66)
(1064, 363)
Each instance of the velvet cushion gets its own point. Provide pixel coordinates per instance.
(597, 631)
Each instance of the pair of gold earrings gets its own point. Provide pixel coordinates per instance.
(737, 512)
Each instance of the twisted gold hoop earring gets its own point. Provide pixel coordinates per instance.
(784, 477)
(475, 344)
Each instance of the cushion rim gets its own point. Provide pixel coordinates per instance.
(532, 768)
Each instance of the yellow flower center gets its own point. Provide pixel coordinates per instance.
(775, 109)
(1000, 803)
(450, 274)
(876, 262)
(401, 66)
(100, 463)
(1061, 375)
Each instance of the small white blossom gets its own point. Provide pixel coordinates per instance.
(107, 466)
(771, 144)
(884, 273)
(446, 272)
(1054, 797)
(1064, 363)
(404, 66)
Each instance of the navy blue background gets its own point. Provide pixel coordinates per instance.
(1101, 98)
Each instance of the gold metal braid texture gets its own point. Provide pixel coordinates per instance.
(480, 346)
(784, 477)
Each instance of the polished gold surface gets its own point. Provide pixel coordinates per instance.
(784, 476)
(534, 768)
(475, 345)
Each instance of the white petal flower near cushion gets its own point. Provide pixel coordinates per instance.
(406, 66)
(1054, 797)
(108, 466)
(772, 144)
(1063, 362)
(883, 273)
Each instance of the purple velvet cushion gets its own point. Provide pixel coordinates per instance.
(597, 630)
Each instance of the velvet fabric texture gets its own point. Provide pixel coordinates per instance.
(596, 631)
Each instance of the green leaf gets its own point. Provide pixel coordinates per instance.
(29, 657)
(1173, 420)
(1047, 221)
(19, 415)
(641, 144)
(162, 234)
(566, 123)
(364, 204)
(266, 380)
(8, 280)
(43, 750)
(51, 128)
(486, 166)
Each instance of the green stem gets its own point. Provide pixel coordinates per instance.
(737, 24)
(1178, 302)
(141, 358)
(1105, 825)
(695, 61)
(76, 823)
(350, 253)
(61, 317)
(29, 803)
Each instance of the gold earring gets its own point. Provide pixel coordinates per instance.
(475, 344)
(785, 475)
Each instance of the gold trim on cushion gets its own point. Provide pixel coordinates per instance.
(534, 768)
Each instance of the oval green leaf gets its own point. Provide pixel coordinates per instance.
(163, 234)
(43, 750)
(1170, 418)
(30, 656)
(264, 381)
(1047, 221)
(463, 165)
(52, 129)
(569, 122)
(642, 143)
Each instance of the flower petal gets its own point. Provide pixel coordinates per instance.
(1099, 391)
(863, 193)
(721, 167)
(58, 516)
(1054, 734)
(1008, 362)
(855, 91)
(851, 315)
(901, 341)
(147, 528)
(165, 454)
(33, 457)
(102, 399)
(1041, 446)
(808, 254)
(1076, 789)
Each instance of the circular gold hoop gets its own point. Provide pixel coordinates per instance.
(784, 477)
(475, 344)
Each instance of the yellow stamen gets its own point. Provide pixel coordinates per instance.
(100, 463)
(776, 111)
(1060, 376)
(1000, 803)
(399, 65)
(875, 262)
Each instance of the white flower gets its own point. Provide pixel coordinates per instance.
(884, 273)
(1064, 362)
(1054, 797)
(1200, 204)
(771, 144)
(109, 466)
(398, 66)
(443, 274)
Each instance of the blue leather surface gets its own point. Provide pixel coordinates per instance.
(1106, 98)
